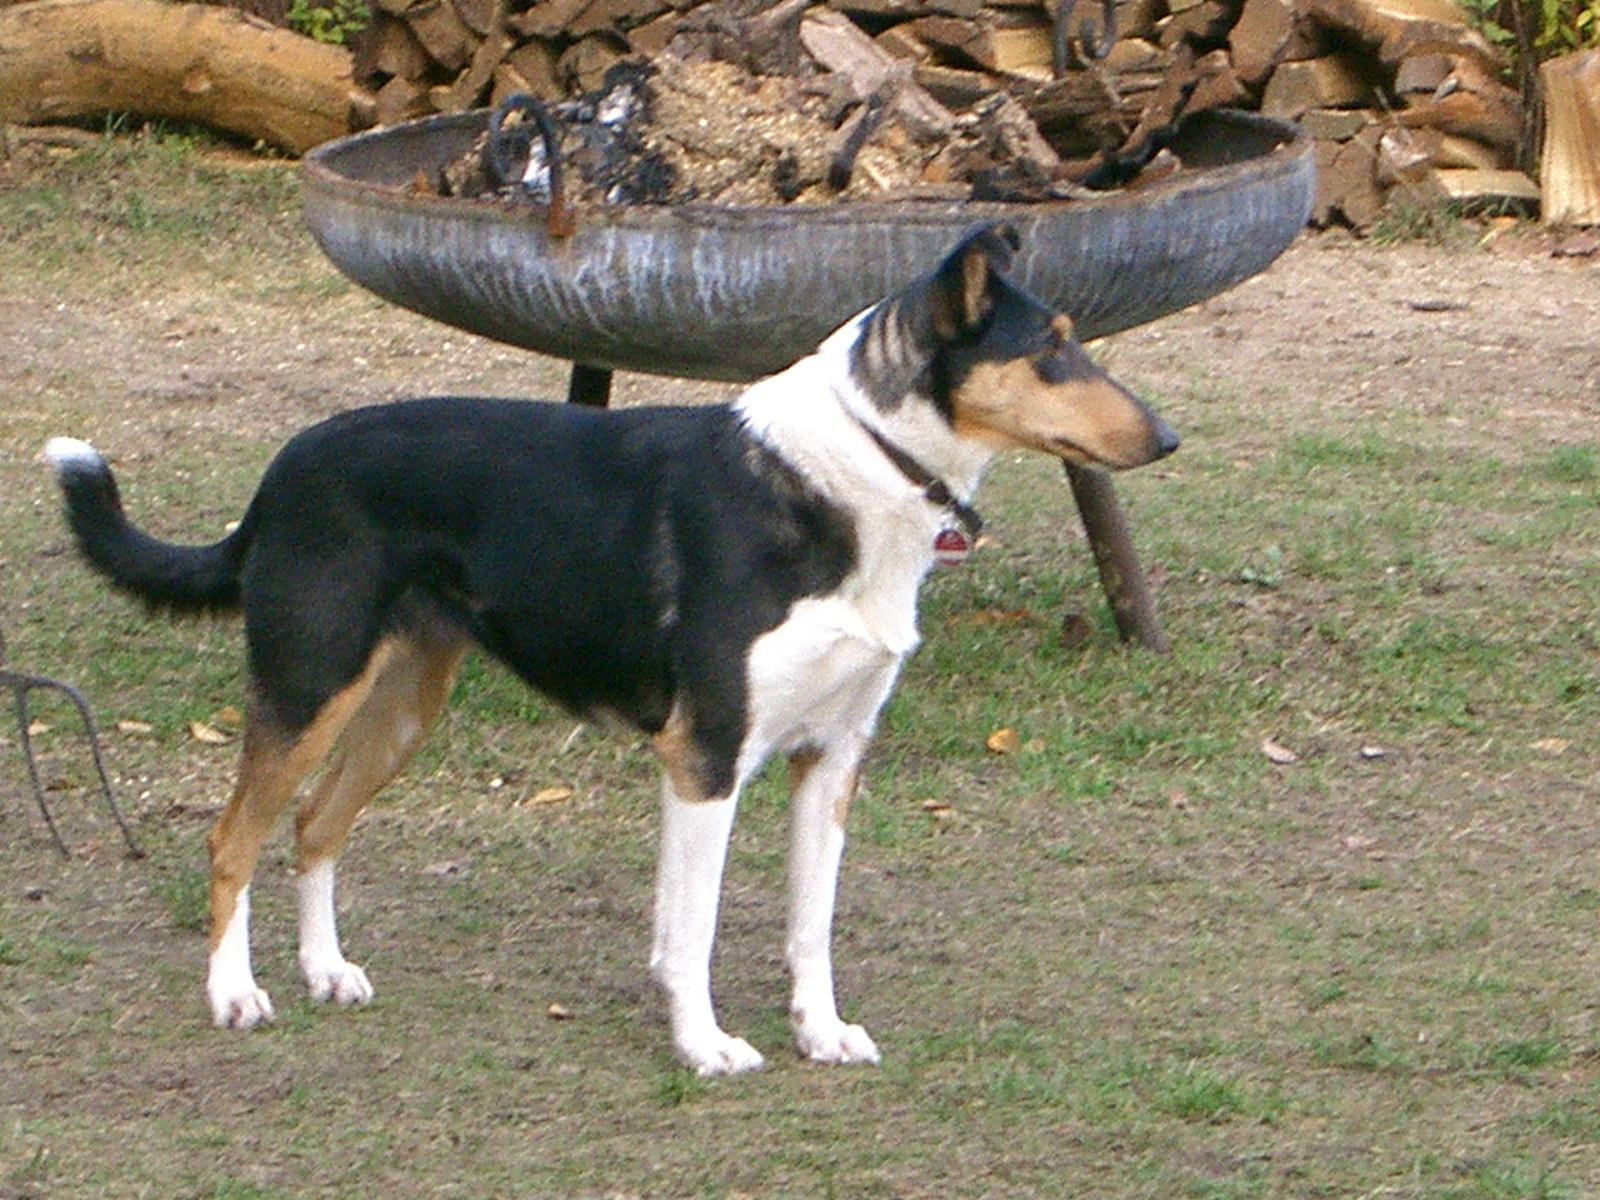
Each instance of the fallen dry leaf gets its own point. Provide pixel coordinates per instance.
(135, 728)
(209, 734)
(558, 1012)
(549, 795)
(1278, 753)
(227, 718)
(1550, 745)
(990, 616)
(1003, 741)
(35, 728)
(446, 867)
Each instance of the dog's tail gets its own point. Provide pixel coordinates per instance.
(169, 576)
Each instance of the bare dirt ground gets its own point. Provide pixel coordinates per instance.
(1510, 323)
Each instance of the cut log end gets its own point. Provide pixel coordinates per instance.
(1570, 161)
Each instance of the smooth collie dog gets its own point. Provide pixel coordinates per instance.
(735, 580)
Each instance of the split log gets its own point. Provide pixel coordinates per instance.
(401, 99)
(1260, 37)
(1336, 124)
(1471, 103)
(1423, 73)
(71, 59)
(579, 18)
(1569, 165)
(652, 37)
(953, 87)
(1205, 23)
(584, 65)
(531, 68)
(1478, 191)
(1337, 81)
(1325, 204)
(1455, 151)
(1402, 28)
(838, 44)
(1348, 184)
(389, 48)
(471, 87)
(448, 39)
(1010, 46)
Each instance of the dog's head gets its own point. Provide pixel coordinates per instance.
(1002, 368)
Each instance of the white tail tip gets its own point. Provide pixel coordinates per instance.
(70, 454)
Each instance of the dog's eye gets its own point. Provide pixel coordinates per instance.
(1052, 342)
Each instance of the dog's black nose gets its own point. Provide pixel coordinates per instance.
(1166, 438)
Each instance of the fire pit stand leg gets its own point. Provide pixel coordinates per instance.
(1120, 573)
(589, 386)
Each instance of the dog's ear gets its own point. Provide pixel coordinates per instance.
(964, 284)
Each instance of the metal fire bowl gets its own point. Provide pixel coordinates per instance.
(712, 292)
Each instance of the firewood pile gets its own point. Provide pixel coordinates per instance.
(775, 101)
(1001, 98)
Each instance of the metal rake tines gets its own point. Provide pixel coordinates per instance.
(21, 684)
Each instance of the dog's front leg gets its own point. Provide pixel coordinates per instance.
(328, 974)
(823, 786)
(694, 846)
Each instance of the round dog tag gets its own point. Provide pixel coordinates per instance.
(950, 547)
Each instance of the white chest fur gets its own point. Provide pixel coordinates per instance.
(818, 679)
(823, 673)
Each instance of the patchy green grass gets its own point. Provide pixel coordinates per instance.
(1134, 958)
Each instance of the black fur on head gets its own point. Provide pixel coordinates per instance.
(903, 338)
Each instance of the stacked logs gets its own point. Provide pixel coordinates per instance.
(1404, 99)
(1402, 96)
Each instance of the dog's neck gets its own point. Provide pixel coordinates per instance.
(934, 489)
(818, 411)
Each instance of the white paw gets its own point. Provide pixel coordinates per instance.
(720, 1054)
(833, 1042)
(340, 981)
(242, 1008)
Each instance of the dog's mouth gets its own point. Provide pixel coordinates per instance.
(1070, 451)
(1160, 442)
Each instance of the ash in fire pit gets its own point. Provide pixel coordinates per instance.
(668, 132)
(671, 131)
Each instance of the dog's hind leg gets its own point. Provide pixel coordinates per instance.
(271, 767)
(823, 784)
(380, 738)
(694, 847)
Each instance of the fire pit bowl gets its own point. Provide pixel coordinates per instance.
(734, 293)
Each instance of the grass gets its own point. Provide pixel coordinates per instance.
(1134, 958)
